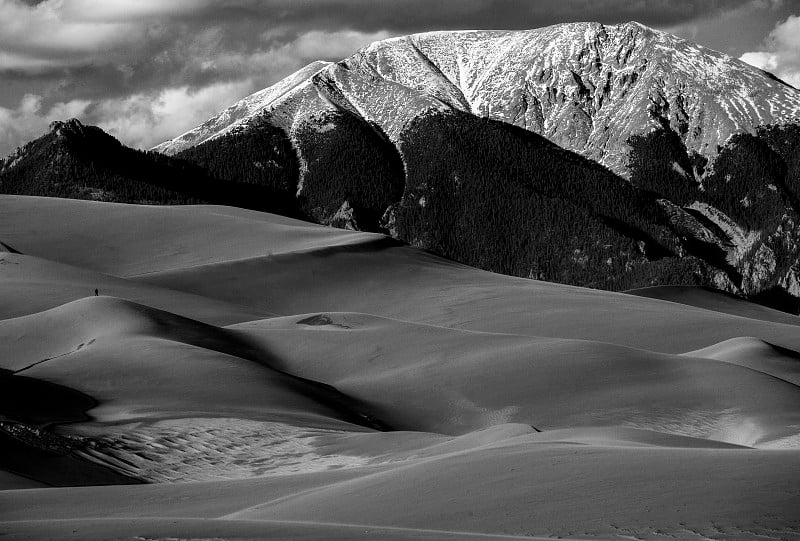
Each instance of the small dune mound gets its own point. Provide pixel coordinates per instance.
(742, 347)
(5, 248)
(393, 446)
(493, 435)
(30, 284)
(164, 238)
(450, 381)
(716, 300)
(139, 362)
(757, 354)
(629, 437)
(321, 320)
(72, 326)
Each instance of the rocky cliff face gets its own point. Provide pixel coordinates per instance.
(585, 86)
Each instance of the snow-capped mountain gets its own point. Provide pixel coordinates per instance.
(483, 146)
(585, 86)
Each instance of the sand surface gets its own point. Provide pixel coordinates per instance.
(718, 301)
(243, 375)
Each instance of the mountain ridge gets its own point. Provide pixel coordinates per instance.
(586, 86)
(78, 161)
(388, 140)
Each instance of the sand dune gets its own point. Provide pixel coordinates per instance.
(5, 248)
(139, 368)
(757, 354)
(137, 360)
(126, 240)
(386, 447)
(453, 381)
(10, 481)
(520, 488)
(404, 283)
(172, 528)
(30, 284)
(718, 301)
(284, 266)
(248, 367)
(548, 490)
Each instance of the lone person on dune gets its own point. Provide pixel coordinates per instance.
(96, 293)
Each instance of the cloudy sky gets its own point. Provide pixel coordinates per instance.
(147, 70)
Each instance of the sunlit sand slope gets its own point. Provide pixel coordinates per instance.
(126, 240)
(272, 378)
(381, 278)
(452, 381)
(757, 354)
(30, 284)
(516, 487)
(141, 363)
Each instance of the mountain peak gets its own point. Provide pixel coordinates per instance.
(73, 126)
(586, 86)
(637, 24)
(60, 133)
(65, 140)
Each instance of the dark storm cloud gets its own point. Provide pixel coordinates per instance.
(417, 15)
(127, 45)
(152, 68)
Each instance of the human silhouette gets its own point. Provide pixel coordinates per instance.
(96, 293)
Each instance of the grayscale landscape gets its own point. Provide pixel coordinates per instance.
(455, 284)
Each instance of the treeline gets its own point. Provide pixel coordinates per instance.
(478, 191)
(339, 157)
(348, 159)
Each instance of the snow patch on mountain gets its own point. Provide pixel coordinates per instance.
(242, 111)
(585, 86)
(743, 242)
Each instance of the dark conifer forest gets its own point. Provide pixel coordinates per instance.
(477, 191)
(348, 160)
(83, 162)
(504, 199)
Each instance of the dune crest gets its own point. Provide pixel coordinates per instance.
(5, 248)
(275, 376)
(755, 353)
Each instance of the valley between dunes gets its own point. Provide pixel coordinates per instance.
(244, 375)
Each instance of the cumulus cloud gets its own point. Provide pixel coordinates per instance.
(29, 119)
(45, 35)
(140, 120)
(126, 10)
(781, 54)
(63, 33)
(144, 120)
(145, 70)
(337, 44)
